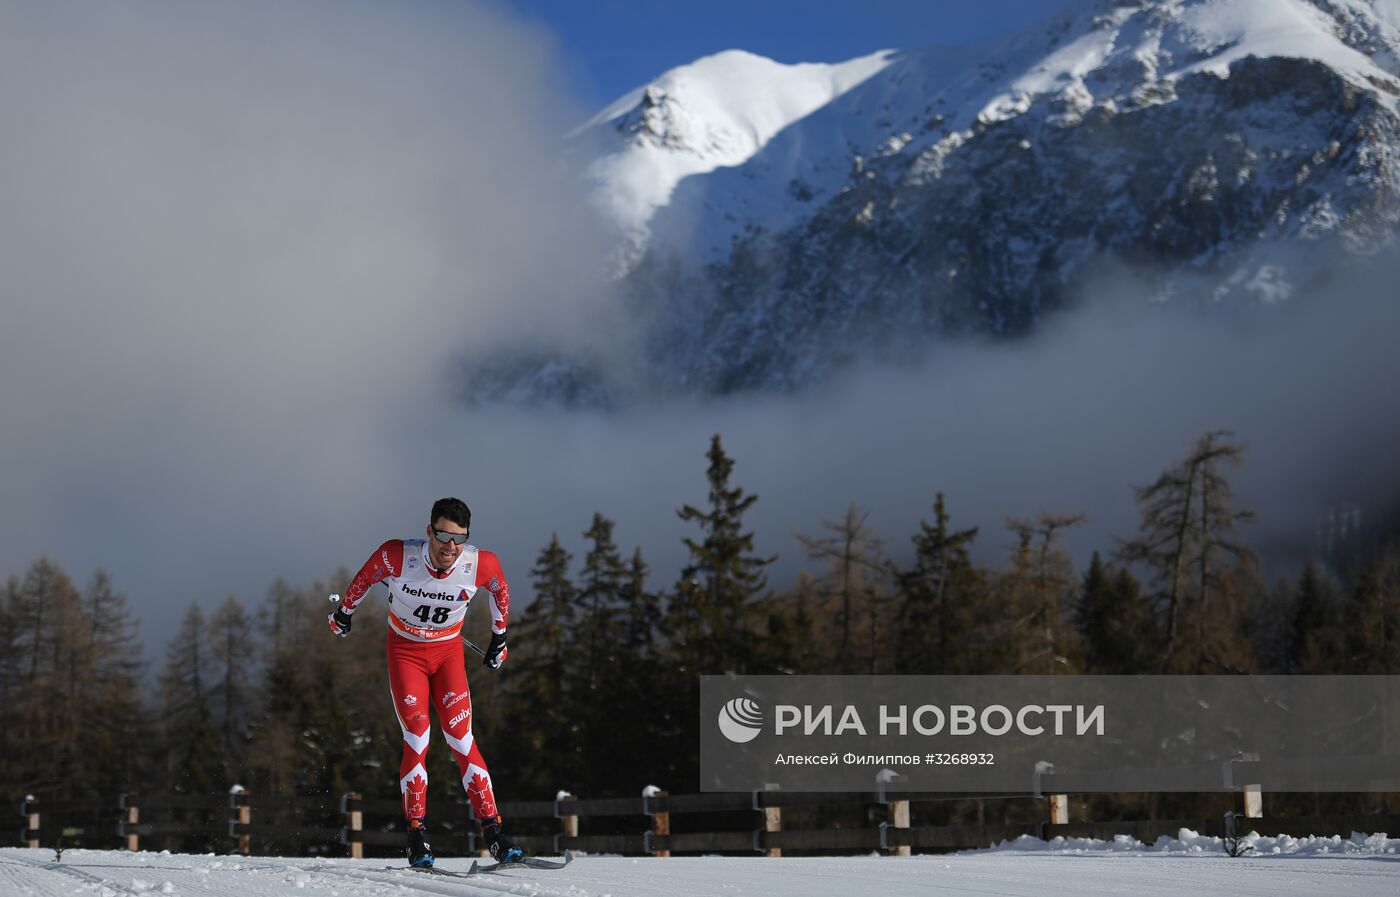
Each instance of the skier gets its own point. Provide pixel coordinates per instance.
(431, 582)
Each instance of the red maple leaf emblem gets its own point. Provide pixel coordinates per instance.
(479, 791)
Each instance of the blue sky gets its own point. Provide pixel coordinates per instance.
(611, 46)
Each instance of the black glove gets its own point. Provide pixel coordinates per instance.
(338, 620)
(496, 651)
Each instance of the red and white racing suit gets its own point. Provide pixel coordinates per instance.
(426, 668)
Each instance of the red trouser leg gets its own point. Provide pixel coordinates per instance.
(454, 710)
(409, 681)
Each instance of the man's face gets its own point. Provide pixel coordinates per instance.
(445, 554)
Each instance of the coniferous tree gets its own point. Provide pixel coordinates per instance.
(1373, 617)
(713, 619)
(850, 592)
(10, 747)
(234, 661)
(796, 643)
(1116, 623)
(938, 600)
(642, 611)
(645, 717)
(111, 668)
(1201, 573)
(195, 758)
(600, 598)
(50, 712)
(541, 674)
(1036, 596)
(68, 682)
(285, 690)
(721, 586)
(323, 725)
(1315, 641)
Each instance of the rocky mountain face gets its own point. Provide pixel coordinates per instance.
(776, 224)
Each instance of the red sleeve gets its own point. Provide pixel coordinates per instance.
(490, 577)
(386, 561)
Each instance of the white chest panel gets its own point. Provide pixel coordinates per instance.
(427, 608)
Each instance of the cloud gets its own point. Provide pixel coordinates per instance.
(245, 247)
(1101, 399)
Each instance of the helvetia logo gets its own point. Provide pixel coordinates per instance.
(740, 720)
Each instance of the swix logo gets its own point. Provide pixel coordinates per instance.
(411, 701)
(424, 593)
(459, 717)
(387, 564)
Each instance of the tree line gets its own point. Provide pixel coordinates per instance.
(600, 691)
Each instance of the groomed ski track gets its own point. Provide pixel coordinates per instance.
(32, 873)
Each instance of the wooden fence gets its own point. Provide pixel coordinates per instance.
(123, 821)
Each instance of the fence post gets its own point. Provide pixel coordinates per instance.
(131, 815)
(1253, 794)
(351, 808)
(660, 822)
(240, 817)
(1058, 807)
(30, 812)
(567, 816)
(772, 818)
(898, 812)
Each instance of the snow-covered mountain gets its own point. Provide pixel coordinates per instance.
(775, 221)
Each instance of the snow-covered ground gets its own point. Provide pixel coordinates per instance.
(1189, 864)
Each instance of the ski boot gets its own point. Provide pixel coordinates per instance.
(419, 853)
(503, 849)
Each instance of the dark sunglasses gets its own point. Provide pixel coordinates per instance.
(455, 538)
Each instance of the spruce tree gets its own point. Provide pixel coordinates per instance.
(1373, 617)
(233, 655)
(324, 724)
(542, 674)
(642, 611)
(938, 600)
(1315, 641)
(722, 584)
(1116, 623)
(797, 642)
(642, 700)
(600, 598)
(195, 757)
